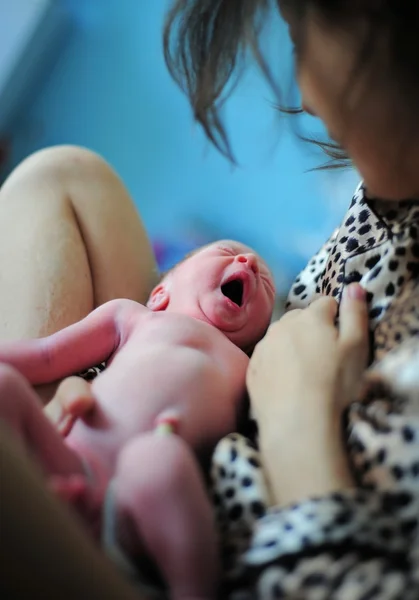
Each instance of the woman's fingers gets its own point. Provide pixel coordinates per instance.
(354, 338)
(353, 322)
(325, 308)
(316, 297)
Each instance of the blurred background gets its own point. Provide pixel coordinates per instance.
(91, 72)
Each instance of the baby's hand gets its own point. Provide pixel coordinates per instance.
(73, 400)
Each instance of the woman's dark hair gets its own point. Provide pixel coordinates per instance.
(205, 42)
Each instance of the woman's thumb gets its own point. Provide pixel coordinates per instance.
(354, 334)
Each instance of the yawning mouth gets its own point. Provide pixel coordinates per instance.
(234, 291)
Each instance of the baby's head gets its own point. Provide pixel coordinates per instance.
(224, 284)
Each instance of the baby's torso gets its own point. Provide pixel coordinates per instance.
(168, 363)
(377, 246)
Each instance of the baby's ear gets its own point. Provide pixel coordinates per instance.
(159, 298)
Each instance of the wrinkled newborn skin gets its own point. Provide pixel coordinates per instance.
(182, 359)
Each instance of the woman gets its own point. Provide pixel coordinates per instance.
(356, 66)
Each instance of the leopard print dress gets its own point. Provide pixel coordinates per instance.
(359, 544)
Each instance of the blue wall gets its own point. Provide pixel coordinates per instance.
(110, 91)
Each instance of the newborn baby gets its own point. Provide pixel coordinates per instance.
(175, 366)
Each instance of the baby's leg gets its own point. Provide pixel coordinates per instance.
(21, 411)
(160, 489)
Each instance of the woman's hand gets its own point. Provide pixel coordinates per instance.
(301, 376)
(73, 400)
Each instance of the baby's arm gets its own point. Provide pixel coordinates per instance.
(77, 347)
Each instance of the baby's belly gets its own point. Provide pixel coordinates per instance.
(133, 391)
(111, 426)
(128, 404)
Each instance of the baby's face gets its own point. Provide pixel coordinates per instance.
(229, 286)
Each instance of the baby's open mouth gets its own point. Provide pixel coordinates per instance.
(233, 290)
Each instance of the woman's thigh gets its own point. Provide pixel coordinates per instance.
(70, 240)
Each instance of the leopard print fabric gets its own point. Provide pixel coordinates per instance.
(363, 543)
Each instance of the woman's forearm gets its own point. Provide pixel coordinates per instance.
(305, 461)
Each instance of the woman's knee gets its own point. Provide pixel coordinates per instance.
(70, 240)
(72, 186)
(58, 163)
(72, 180)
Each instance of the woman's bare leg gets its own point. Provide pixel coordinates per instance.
(70, 239)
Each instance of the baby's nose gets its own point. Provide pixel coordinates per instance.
(249, 259)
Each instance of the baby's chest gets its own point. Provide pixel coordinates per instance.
(173, 330)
